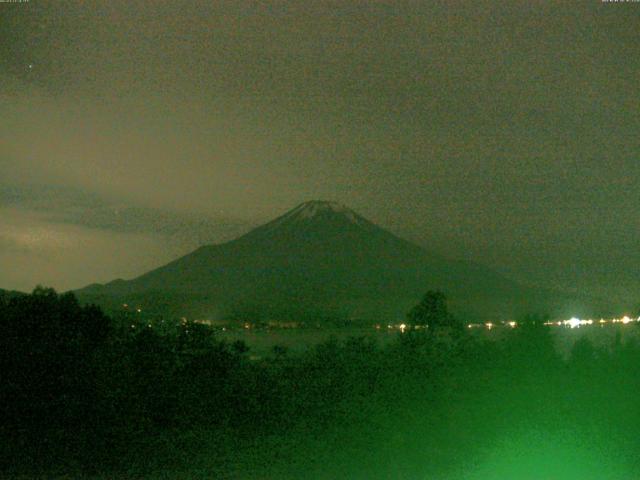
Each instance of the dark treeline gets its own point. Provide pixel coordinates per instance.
(85, 395)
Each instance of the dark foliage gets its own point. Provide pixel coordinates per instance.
(432, 311)
(48, 345)
(83, 394)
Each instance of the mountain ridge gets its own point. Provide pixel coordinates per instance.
(318, 256)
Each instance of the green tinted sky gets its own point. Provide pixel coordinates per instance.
(504, 132)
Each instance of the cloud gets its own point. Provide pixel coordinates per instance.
(76, 207)
(34, 250)
(485, 127)
(67, 238)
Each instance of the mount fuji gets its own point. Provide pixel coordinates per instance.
(319, 260)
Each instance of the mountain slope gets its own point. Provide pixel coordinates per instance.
(319, 257)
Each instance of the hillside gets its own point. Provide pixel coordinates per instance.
(320, 260)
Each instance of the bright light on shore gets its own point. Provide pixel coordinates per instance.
(573, 322)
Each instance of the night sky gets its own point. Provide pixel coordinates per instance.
(507, 133)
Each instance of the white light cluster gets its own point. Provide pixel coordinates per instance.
(576, 322)
(573, 322)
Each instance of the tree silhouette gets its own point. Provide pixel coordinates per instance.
(432, 311)
(48, 344)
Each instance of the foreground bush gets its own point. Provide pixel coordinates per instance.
(86, 395)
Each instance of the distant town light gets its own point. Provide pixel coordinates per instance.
(573, 322)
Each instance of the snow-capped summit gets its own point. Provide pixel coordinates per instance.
(310, 208)
(315, 208)
(318, 257)
(319, 216)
